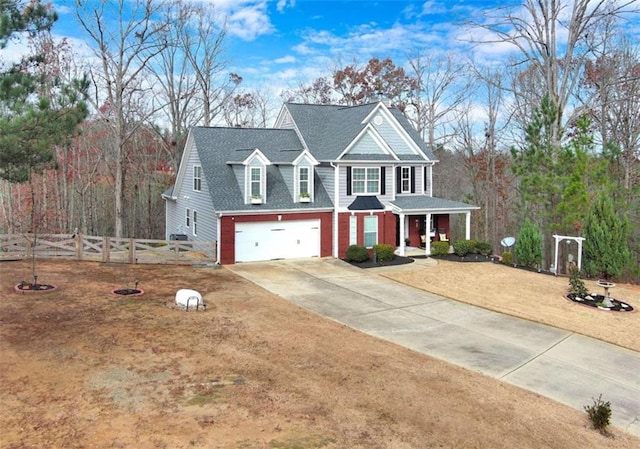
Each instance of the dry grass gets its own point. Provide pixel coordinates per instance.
(81, 368)
(533, 296)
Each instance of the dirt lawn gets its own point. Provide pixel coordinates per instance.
(81, 368)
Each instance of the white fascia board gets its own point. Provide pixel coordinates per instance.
(369, 129)
(257, 154)
(374, 111)
(451, 210)
(182, 168)
(308, 155)
(227, 213)
(281, 115)
(382, 108)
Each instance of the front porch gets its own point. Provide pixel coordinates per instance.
(422, 220)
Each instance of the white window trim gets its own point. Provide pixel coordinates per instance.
(188, 218)
(353, 230)
(364, 233)
(197, 178)
(309, 180)
(402, 179)
(366, 179)
(251, 182)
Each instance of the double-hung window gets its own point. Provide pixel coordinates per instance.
(197, 178)
(353, 230)
(405, 179)
(370, 231)
(195, 222)
(365, 180)
(304, 181)
(188, 218)
(256, 182)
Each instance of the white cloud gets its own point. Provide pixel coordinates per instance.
(282, 4)
(433, 7)
(250, 21)
(285, 60)
(247, 19)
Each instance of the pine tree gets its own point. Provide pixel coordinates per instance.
(605, 248)
(37, 111)
(528, 247)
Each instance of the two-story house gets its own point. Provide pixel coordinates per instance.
(325, 177)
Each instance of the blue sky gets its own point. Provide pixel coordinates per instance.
(284, 42)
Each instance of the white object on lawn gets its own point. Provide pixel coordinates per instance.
(189, 298)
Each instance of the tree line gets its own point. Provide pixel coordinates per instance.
(91, 144)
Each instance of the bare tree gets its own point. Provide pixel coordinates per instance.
(555, 39)
(202, 43)
(124, 51)
(440, 88)
(246, 110)
(319, 91)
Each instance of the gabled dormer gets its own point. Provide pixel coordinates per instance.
(255, 176)
(303, 177)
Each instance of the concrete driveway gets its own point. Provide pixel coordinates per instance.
(561, 365)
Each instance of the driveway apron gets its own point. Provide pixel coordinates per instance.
(567, 367)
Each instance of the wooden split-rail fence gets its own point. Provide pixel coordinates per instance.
(105, 249)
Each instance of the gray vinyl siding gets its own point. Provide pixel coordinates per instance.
(171, 208)
(287, 172)
(198, 201)
(325, 173)
(344, 200)
(392, 137)
(425, 177)
(366, 145)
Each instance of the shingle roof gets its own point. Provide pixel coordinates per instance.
(217, 146)
(410, 203)
(329, 129)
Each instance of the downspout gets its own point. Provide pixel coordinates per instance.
(218, 233)
(336, 195)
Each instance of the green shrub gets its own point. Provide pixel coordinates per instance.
(528, 246)
(483, 248)
(599, 414)
(576, 285)
(356, 253)
(439, 248)
(507, 258)
(463, 247)
(384, 251)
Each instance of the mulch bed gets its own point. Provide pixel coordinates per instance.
(468, 258)
(597, 301)
(398, 260)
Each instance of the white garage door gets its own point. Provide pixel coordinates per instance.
(277, 240)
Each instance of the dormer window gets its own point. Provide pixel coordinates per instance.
(256, 182)
(305, 184)
(365, 180)
(197, 178)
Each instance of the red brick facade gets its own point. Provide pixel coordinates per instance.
(386, 229)
(228, 231)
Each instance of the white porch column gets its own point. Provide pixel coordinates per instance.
(402, 225)
(555, 257)
(579, 253)
(467, 230)
(427, 236)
